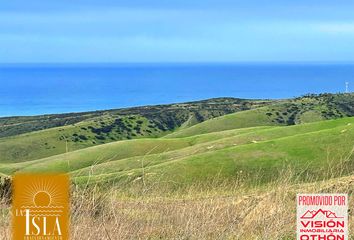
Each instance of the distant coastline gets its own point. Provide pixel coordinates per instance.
(32, 89)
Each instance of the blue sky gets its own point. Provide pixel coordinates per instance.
(176, 31)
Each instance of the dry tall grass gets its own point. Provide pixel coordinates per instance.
(217, 211)
(231, 209)
(226, 211)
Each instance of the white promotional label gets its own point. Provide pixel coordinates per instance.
(322, 216)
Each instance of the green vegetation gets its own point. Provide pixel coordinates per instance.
(29, 138)
(53, 141)
(245, 119)
(185, 143)
(263, 150)
(160, 117)
(310, 108)
(215, 169)
(306, 148)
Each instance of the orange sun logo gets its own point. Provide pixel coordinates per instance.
(42, 193)
(42, 199)
(40, 206)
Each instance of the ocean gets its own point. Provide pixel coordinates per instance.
(32, 89)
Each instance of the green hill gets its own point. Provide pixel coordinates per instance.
(310, 149)
(160, 117)
(54, 141)
(313, 152)
(187, 142)
(245, 119)
(306, 109)
(70, 132)
(117, 150)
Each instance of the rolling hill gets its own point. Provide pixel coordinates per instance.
(310, 149)
(306, 109)
(30, 138)
(160, 117)
(233, 138)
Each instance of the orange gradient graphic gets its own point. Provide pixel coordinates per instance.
(40, 207)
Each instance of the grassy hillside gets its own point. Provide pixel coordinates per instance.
(78, 131)
(258, 153)
(245, 119)
(117, 150)
(160, 117)
(53, 141)
(128, 145)
(311, 154)
(311, 149)
(215, 169)
(171, 116)
(306, 109)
